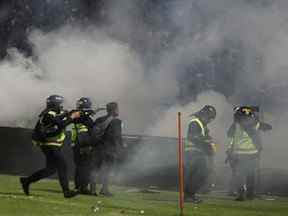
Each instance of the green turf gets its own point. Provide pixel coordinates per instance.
(47, 200)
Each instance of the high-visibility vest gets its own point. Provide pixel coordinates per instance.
(188, 144)
(241, 142)
(76, 129)
(57, 140)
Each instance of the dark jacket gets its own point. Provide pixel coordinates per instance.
(50, 125)
(86, 120)
(200, 141)
(112, 138)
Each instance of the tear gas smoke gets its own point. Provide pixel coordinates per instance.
(138, 60)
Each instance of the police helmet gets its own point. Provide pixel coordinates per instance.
(84, 103)
(245, 110)
(208, 112)
(54, 101)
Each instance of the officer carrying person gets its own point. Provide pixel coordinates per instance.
(198, 148)
(107, 133)
(244, 149)
(49, 135)
(82, 145)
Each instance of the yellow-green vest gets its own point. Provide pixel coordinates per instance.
(56, 141)
(241, 142)
(188, 144)
(77, 128)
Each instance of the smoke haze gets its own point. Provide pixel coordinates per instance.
(142, 61)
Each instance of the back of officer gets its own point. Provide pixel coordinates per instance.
(82, 145)
(49, 135)
(198, 149)
(108, 146)
(244, 149)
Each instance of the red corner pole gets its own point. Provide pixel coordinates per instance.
(180, 164)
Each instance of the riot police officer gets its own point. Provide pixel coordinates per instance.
(198, 149)
(49, 135)
(82, 148)
(244, 149)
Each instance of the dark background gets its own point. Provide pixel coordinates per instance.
(19, 157)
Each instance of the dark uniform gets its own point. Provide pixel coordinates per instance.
(198, 150)
(49, 135)
(82, 148)
(244, 149)
(107, 148)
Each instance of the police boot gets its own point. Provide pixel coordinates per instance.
(106, 192)
(25, 185)
(69, 193)
(241, 195)
(93, 189)
(193, 199)
(250, 194)
(84, 190)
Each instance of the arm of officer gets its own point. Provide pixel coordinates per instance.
(231, 130)
(63, 120)
(265, 126)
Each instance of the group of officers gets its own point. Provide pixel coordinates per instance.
(95, 145)
(243, 151)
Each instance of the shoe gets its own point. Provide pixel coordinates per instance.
(25, 185)
(93, 193)
(193, 199)
(93, 189)
(106, 193)
(240, 197)
(250, 196)
(84, 191)
(69, 194)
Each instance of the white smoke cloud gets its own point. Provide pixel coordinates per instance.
(102, 63)
(74, 62)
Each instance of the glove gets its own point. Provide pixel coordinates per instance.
(213, 147)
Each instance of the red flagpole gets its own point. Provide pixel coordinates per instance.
(180, 164)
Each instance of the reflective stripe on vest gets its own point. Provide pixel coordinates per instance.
(188, 144)
(77, 128)
(53, 141)
(242, 143)
(257, 126)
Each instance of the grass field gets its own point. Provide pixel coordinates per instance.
(47, 200)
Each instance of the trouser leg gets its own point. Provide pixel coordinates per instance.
(200, 175)
(233, 180)
(49, 169)
(77, 180)
(107, 165)
(105, 174)
(85, 176)
(209, 184)
(82, 165)
(251, 178)
(62, 170)
(197, 176)
(95, 170)
(187, 174)
(241, 176)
